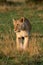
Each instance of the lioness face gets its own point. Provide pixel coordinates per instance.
(17, 24)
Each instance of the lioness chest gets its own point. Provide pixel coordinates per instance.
(22, 34)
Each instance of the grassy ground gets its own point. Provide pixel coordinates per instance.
(8, 54)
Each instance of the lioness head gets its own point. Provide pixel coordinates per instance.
(21, 24)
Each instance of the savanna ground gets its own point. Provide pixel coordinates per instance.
(8, 53)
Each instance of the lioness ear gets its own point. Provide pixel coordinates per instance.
(22, 19)
(14, 21)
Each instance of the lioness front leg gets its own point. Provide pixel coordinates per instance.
(26, 42)
(19, 42)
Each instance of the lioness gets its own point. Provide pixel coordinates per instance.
(22, 28)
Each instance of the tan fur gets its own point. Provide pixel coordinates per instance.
(22, 32)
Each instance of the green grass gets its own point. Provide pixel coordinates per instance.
(7, 35)
(31, 14)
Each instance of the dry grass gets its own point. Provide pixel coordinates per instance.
(7, 45)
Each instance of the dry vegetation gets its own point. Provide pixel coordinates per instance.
(8, 45)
